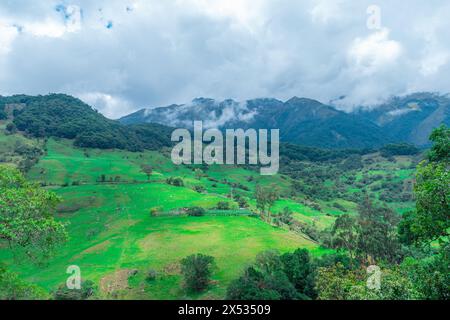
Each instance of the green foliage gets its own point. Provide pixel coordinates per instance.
(339, 283)
(11, 128)
(152, 274)
(371, 236)
(300, 272)
(196, 212)
(400, 149)
(430, 276)
(265, 199)
(148, 170)
(345, 234)
(431, 219)
(26, 215)
(87, 291)
(175, 181)
(353, 162)
(440, 151)
(13, 288)
(377, 233)
(63, 116)
(286, 216)
(197, 270)
(275, 277)
(223, 205)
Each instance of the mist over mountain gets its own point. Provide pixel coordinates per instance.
(310, 122)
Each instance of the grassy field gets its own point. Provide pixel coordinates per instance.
(116, 238)
(112, 230)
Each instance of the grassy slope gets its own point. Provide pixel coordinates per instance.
(111, 227)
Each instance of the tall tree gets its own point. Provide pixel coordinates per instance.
(148, 170)
(265, 199)
(344, 235)
(431, 219)
(26, 215)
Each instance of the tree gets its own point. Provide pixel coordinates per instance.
(300, 272)
(13, 288)
(148, 170)
(440, 151)
(197, 270)
(266, 280)
(251, 286)
(26, 215)
(377, 233)
(431, 219)
(196, 212)
(345, 235)
(339, 283)
(430, 276)
(265, 199)
(11, 128)
(371, 236)
(286, 216)
(334, 283)
(223, 205)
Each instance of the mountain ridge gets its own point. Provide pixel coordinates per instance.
(307, 121)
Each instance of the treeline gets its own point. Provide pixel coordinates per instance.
(291, 152)
(63, 116)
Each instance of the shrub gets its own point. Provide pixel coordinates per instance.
(87, 290)
(197, 270)
(199, 189)
(223, 205)
(196, 212)
(152, 274)
(176, 182)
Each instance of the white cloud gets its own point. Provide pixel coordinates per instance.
(150, 53)
(7, 36)
(110, 106)
(374, 52)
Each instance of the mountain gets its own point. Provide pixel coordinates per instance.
(302, 121)
(411, 118)
(311, 123)
(63, 116)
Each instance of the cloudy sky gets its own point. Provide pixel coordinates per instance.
(124, 55)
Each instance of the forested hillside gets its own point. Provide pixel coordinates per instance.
(63, 116)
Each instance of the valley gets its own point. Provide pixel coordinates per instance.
(118, 221)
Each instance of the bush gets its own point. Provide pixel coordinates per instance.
(196, 212)
(176, 182)
(152, 274)
(11, 128)
(197, 270)
(223, 205)
(199, 189)
(87, 290)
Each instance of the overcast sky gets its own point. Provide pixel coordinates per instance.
(121, 56)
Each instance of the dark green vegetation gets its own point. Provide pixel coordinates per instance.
(309, 122)
(140, 227)
(63, 116)
(197, 270)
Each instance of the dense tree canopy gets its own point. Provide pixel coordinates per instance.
(26, 215)
(431, 219)
(58, 115)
